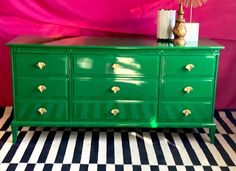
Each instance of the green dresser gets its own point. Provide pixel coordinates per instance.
(113, 82)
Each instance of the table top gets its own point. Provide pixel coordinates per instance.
(141, 42)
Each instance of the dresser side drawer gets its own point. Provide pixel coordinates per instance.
(40, 63)
(186, 112)
(188, 65)
(41, 87)
(187, 88)
(41, 111)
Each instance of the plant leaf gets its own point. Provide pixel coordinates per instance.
(193, 3)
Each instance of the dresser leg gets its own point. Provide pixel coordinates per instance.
(14, 129)
(212, 131)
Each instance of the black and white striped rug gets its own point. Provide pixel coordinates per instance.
(115, 149)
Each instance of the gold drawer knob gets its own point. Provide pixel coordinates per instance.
(116, 66)
(42, 110)
(189, 67)
(41, 88)
(115, 112)
(41, 65)
(188, 89)
(186, 112)
(115, 89)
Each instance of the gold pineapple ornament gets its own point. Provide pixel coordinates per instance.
(179, 29)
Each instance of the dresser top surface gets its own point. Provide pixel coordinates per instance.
(108, 42)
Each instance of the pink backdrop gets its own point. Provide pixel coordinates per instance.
(107, 17)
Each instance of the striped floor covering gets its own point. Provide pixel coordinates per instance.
(118, 149)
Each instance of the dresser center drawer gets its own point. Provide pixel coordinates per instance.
(127, 64)
(115, 111)
(126, 88)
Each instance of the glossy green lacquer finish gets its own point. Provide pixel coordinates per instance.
(26, 63)
(128, 64)
(27, 110)
(79, 75)
(143, 112)
(173, 112)
(129, 88)
(175, 65)
(28, 87)
(202, 89)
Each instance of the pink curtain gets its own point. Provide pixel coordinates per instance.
(105, 18)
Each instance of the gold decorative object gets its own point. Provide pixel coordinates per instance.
(188, 89)
(41, 88)
(189, 67)
(115, 89)
(179, 30)
(42, 110)
(116, 66)
(40, 65)
(115, 111)
(186, 112)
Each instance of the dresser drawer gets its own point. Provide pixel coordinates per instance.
(127, 88)
(43, 87)
(116, 65)
(186, 112)
(47, 111)
(188, 65)
(40, 63)
(184, 89)
(115, 111)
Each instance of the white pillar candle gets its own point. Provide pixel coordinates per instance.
(165, 24)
